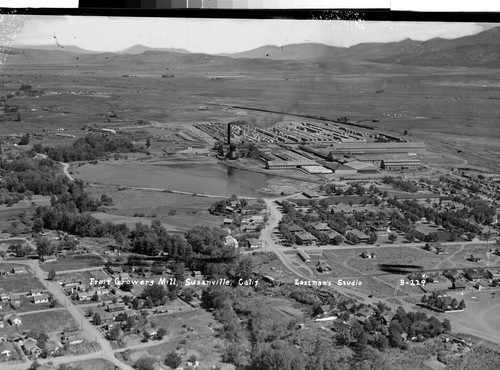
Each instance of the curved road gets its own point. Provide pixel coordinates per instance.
(65, 171)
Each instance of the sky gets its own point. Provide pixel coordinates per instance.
(212, 36)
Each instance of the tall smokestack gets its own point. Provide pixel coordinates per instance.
(229, 134)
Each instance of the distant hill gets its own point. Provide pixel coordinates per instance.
(480, 50)
(292, 51)
(139, 49)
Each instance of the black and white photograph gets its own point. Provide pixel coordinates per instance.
(249, 194)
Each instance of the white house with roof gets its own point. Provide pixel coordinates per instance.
(44, 298)
(14, 320)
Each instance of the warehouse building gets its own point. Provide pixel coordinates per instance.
(288, 165)
(401, 164)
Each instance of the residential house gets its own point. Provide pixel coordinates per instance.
(305, 238)
(332, 235)
(227, 221)
(321, 226)
(4, 296)
(474, 275)
(72, 337)
(364, 314)
(18, 270)
(257, 219)
(304, 256)
(324, 309)
(3, 272)
(53, 347)
(231, 242)
(6, 350)
(322, 266)
(361, 235)
(150, 333)
(44, 298)
(365, 254)
(15, 300)
(161, 309)
(253, 243)
(452, 275)
(115, 307)
(440, 250)
(459, 285)
(387, 317)
(35, 292)
(86, 296)
(294, 229)
(46, 259)
(102, 290)
(248, 228)
(493, 274)
(31, 348)
(471, 258)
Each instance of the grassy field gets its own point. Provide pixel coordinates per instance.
(73, 263)
(19, 284)
(48, 321)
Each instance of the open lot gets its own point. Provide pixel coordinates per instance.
(74, 262)
(44, 322)
(19, 284)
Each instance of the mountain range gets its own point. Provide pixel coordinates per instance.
(479, 50)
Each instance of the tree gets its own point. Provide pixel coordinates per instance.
(156, 293)
(373, 238)
(410, 236)
(96, 319)
(34, 365)
(114, 333)
(161, 333)
(337, 240)
(25, 140)
(393, 237)
(44, 247)
(173, 360)
(148, 143)
(461, 305)
(145, 363)
(51, 275)
(446, 325)
(95, 297)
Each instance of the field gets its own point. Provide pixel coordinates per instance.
(19, 284)
(75, 262)
(45, 322)
(480, 317)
